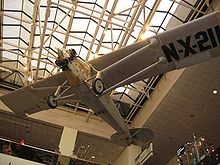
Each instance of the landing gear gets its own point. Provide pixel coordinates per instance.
(98, 86)
(52, 103)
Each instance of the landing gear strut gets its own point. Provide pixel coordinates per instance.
(52, 103)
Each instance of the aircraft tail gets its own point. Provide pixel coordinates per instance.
(139, 136)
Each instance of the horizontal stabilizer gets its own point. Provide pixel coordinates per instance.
(140, 136)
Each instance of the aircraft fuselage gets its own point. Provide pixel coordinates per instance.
(202, 41)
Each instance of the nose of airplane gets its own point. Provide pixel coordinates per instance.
(62, 59)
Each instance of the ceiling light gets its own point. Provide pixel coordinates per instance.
(29, 78)
(214, 92)
(147, 34)
(25, 68)
(96, 55)
(147, 27)
(143, 36)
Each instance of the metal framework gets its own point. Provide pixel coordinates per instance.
(31, 30)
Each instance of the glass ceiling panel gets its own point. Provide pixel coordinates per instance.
(165, 5)
(13, 5)
(158, 18)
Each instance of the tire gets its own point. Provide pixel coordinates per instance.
(51, 102)
(98, 86)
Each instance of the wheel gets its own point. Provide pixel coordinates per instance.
(98, 86)
(51, 102)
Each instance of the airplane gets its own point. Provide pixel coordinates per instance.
(92, 81)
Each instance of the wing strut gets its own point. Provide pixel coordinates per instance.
(161, 60)
(58, 90)
(98, 84)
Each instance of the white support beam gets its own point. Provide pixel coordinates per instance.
(134, 22)
(20, 29)
(31, 37)
(149, 19)
(23, 55)
(129, 24)
(106, 27)
(57, 31)
(99, 12)
(67, 144)
(97, 29)
(25, 49)
(47, 14)
(128, 155)
(92, 16)
(69, 25)
(130, 8)
(55, 28)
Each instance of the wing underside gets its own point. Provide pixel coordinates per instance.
(33, 98)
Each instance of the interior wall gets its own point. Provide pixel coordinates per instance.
(216, 7)
(11, 160)
(128, 155)
(173, 161)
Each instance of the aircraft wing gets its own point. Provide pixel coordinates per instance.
(182, 46)
(33, 98)
(115, 56)
(135, 66)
